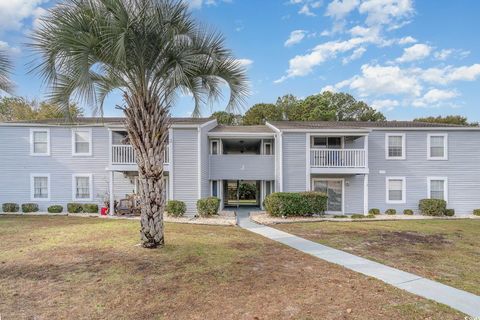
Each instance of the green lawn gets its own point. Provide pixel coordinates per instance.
(91, 268)
(446, 251)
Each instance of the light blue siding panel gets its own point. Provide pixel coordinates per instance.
(294, 162)
(246, 167)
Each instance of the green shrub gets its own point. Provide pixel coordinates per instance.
(432, 207)
(408, 212)
(29, 207)
(391, 212)
(340, 216)
(362, 216)
(476, 212)
(370, 216)
(286, 204)
(208, 206)
(90, 208)
(450, 212)
(176, 208)
(374, 211)
(55, 209)
(74, 208)
(10, 207)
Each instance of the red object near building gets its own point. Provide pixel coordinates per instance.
(103, 211)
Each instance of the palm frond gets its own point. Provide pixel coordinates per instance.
(6, 84)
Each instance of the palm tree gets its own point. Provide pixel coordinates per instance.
(151, 50)
(5, 70)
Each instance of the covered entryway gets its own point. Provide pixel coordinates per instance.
(334, 188)
(241, 193)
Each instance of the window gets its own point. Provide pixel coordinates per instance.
(214, 188)
(214, 147)
(437, 147)
(40, 187)
(82, 142)
(39, 142)
(327, 142)
(395, 190)
(82, 187)
(395, 146)
(334, 189)
(267, 148)
(437, 188)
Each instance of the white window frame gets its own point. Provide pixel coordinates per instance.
(32, 148)
(77, 154)
(445, 146)
(32, 186)
(445, 186)
(218, 147)
(265, 144)
(74, 186)
(404, 144)
(404, 190)
(313, 146)
(218, 188)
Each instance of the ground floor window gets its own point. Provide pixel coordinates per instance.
(437, 188)
(215, 188)
(395, 189)
(333, 188)
(40, 187)
(82, 187)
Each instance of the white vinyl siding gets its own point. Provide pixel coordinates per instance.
(437, 188)
(395, 146)
(82, 142)
(395, 189)
(82, 187)
(437, 147)
(39, 142)
(40, 187)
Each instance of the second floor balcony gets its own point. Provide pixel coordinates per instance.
(124, 155)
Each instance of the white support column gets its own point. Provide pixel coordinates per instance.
(307, 163)
(112, 198)
(365, 194)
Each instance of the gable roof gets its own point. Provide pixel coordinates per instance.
(101, 121)
(242, 129)
(305, 125)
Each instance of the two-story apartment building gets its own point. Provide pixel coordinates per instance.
(360, 165)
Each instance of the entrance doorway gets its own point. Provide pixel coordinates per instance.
(334, 189)
(241, 193)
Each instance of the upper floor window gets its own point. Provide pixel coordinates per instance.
(395, 189)
(327, 142)
(40, 142)
(437, 147)
(395, 146)
(40, 187)
(82, 187)
(82, 142)
(214, 147)
(437, 188)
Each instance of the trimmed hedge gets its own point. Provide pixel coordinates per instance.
(476, 212)
(176, 208)
(207, 207)
(432, 207)
(362, 216)
(55, 209)
(29, 207)
(450, 212)
(408, 212)
(391, 212)
(10, 207)
(374, 211)
(90, 208)
(74, 208)
(286, 204)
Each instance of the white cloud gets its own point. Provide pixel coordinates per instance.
(328, 88)
(338, 9)
(407, 40)
(433, 97)
(295, 37)
(305, 10)
(416, 52)
(383, 12)
(357, 54)
(245, 62)
(449, 74)
(14, 12)
(197, 4)
(385, 104)
(381, 80)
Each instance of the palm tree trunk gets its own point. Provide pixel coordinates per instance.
(147, 124)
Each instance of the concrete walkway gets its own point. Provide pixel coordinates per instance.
(463, 301)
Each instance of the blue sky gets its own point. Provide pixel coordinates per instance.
(406, 58)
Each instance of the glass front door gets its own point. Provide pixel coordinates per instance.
(241, 192)
(334, 189)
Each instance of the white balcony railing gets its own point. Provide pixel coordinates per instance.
(337, 158)
(123, 154)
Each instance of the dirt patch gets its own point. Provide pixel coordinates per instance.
(411, 238)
